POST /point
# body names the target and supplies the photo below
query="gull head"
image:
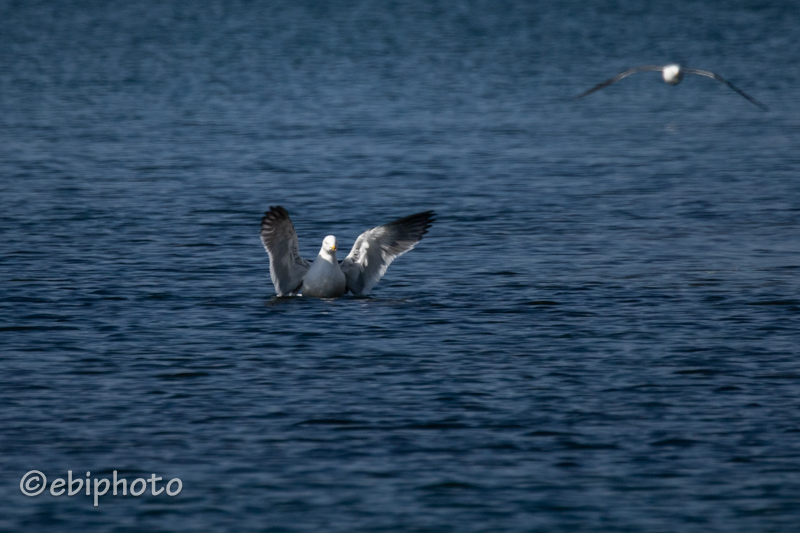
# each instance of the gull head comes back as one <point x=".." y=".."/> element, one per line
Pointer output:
<point x="672" y="74"/>
<point x="330" y="244"/>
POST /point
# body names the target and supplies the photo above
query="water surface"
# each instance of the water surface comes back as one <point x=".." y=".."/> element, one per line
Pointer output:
<point x="599" y="332"/>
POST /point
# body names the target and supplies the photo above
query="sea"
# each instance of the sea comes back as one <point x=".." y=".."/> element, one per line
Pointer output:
<point x="600" y="331"/>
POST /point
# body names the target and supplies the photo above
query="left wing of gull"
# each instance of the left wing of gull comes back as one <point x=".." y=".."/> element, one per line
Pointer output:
<point x="717" y="77"/>
<point x="375" y="249"/>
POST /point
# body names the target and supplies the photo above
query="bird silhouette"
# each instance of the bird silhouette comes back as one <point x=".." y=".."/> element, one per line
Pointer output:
<point x="673" y="74"/>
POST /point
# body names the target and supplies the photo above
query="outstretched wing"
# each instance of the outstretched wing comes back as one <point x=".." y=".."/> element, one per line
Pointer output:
<point x="286" y="266"/>
<point x="615" y="79"/>
<point x="717" y="77"/>
<point x="375" y="250"/>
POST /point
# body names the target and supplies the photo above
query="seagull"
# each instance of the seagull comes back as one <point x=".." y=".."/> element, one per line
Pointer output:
<point x="673" y="74"/>
<point x="325" y="277"/>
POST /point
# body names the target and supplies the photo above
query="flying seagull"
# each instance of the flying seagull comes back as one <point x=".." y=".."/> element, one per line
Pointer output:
<point x="325" y="277"/>
<point x="673" y="75"/>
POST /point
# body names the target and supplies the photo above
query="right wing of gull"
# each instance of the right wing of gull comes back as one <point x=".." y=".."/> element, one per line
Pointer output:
<point x="615" y="79"/>
<point x="286" y="266"/>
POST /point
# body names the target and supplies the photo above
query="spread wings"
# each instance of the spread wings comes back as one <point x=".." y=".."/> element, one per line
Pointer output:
<point x="375" y="250"/>
<point x="717" y="77"/>
<point x="615" y="79"/>
<point x="286" y="266"/>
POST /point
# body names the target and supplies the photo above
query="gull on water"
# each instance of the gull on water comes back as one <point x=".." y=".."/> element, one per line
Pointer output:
<point x="326" y="277"/>
<point x="673" y="74"/>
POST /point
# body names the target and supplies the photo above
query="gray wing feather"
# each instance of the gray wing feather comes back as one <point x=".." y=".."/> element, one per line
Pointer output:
<point x="615" y="79"/>
<point x="375" y="250"/>
<point x="717" y="77"/>
<point x="286" y="266"/>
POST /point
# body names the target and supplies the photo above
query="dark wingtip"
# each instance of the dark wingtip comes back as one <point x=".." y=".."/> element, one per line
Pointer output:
<point x="275" y="214"/>
<point x="416" y="222"/>
<point x="420" y="221"/>
<point x="428" y="216"/>
<point x="277" y="209"/>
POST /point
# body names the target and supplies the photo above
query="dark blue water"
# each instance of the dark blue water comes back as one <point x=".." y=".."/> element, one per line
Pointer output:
<point x="599" y="333"/>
